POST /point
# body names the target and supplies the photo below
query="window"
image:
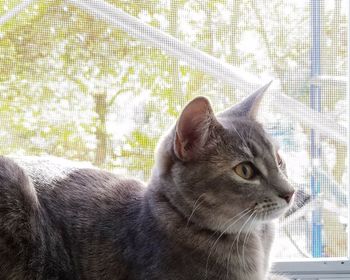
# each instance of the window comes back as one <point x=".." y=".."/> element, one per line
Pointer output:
<point x="100" y="81"/>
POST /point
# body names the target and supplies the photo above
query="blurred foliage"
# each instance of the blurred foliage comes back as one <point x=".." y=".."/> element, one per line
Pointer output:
<point x="55" y="57"/>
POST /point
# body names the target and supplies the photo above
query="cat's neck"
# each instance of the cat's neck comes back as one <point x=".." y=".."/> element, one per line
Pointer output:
<point x="161" y="194"/>
<point x="173" y="218"/>
<point x="165" y="201"/>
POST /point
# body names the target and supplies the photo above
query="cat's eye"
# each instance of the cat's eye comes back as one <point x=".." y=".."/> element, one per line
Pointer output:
<point x="279" y="159"/>
<point x="246" y="170"/>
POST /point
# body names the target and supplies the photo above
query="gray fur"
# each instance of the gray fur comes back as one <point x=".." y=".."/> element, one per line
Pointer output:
<point x="60" y="222"/>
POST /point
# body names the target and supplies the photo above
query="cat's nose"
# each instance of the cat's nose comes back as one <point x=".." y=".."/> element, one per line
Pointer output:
<point x="287" y="196"/>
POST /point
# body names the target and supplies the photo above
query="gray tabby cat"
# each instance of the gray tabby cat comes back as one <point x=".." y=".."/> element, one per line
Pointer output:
<point x="207" y="212"/>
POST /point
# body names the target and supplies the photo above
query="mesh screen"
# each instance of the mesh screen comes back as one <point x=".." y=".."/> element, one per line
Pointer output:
<point x="75" y="87"/>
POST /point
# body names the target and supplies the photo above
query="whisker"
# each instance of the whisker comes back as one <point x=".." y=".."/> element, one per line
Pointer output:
<point x="245" y="211"/>
<point x="239" y="234"/>
<point x="237" y="239"/>
<point x="195" y="207"/>
<point x="241" y="215"/>
<point x="208" y="240"/>
<point x="248" y="234"/>
<point x="244" y="142"/>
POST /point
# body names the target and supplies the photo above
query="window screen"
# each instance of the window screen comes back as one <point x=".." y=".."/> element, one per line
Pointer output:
<point x="77" y="86"/>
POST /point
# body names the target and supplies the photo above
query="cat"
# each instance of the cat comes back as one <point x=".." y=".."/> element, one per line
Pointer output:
<point x="208" y="211"/>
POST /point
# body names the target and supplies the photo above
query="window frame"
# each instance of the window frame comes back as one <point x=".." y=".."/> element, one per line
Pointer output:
<point x="322" y="268"/>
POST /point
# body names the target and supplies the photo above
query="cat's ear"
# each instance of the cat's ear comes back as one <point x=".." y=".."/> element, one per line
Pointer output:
<point x="249" y="106"/>
<point x="193" y="128"/>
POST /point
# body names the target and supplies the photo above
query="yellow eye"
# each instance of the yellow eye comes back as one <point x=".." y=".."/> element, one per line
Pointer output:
<point x="279" y="159"/>
<point x="245" y="170"/>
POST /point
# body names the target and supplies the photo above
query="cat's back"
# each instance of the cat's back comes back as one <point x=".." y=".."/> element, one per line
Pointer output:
<point x="60" y="180"/>
<point x="79" y="197"/>
<point x="85" y="212"/>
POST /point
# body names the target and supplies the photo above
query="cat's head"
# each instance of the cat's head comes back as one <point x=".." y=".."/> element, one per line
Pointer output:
<point x="224" y="169"/>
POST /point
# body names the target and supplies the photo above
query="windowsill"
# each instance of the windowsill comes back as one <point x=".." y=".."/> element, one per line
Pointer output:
<point x="325" y="268"/>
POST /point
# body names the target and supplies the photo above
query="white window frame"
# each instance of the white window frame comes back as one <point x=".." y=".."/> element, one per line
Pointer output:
<point x="322" y="268"/>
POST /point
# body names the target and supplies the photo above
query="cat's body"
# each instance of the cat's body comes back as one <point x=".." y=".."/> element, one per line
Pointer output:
<point x="113" y="231"/>
<point x="192" y="221"/>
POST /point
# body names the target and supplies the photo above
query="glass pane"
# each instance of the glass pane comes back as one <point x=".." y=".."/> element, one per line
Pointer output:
<point x="75" y="87"/>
